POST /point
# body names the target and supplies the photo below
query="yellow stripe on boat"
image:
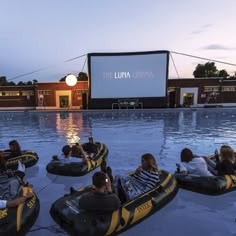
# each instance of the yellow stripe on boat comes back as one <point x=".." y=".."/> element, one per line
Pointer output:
<point x="125" y="214"/>
<point x="228" y="181"/>
<point x="141" y="211"/>
<point x="166" y="180"/>
<point x="19" y="211"/>
<point x="114" y="222"/>
<point x="89" y="164"/>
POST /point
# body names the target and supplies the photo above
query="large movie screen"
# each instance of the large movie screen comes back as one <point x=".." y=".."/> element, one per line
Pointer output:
<point x="127" y="75"/>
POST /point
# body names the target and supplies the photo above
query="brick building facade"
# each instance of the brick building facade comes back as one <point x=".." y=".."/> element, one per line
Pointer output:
<point x="58" y="95"/>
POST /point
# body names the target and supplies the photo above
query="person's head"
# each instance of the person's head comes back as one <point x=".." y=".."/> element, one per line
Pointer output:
<point x="186" y="155"/>
<point x="90" y="139"/>
<point x="227" y="153"/>
<point x="99" y="179"/>
<point x="149" y="162"/>
<point x="66" y="150"/>
<point x="14" y="145"/>
<point x="75" y="151"/>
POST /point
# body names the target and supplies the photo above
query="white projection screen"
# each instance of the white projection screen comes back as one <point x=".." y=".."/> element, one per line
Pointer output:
<point x="128" y="75"/>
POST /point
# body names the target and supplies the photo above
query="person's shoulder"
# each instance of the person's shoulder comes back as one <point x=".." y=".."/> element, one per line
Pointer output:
<point x="198" y="160"/>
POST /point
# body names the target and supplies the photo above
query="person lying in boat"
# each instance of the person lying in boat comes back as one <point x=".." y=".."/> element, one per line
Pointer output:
<point x="90" y="148"/>
<point x="144" y="179"/>
<point x="20" y="172"/>
<point x="101" y="199"/>
<point x="226" y="165"/>
<point x="67" y="157"/>
<point x="192" y="164"/>
<point x="15" y="148"/>
<point x="16" y="201"/>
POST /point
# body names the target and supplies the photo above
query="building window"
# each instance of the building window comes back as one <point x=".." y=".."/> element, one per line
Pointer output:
<point x="211" y="89"/>
<point x="27" y="93"/>
<point x="44" y="92"/>
<point x="10" y="93"/>
<point x="80" y="91"/>
<point x="228" y="88"/>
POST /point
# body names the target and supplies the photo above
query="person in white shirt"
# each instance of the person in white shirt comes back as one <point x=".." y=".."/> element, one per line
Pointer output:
<point x="66" y="155"/>
<point x="192" y="164"/>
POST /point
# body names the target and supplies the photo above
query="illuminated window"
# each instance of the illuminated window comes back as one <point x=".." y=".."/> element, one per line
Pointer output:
<point x="27" y="93"/>
<point x="10" y="93"/>
<point x="228" y="88"/>
<point x="211" y="88"/>
<point x="80" y="91"/>
<point x="44" y="92"/>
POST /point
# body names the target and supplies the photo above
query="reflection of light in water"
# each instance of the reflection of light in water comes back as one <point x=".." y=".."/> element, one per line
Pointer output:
<point x="68" y="127"/>
<point x="72" y="136"/>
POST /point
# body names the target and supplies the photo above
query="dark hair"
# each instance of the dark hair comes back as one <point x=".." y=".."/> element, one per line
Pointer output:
<point x="186" y="155"/>
<point x="75" y="152"/>
<point x="99" y="179"/>
<point x="151" y="162"/>
<point x="66" y="149"/>
<point x="15" y="145"/>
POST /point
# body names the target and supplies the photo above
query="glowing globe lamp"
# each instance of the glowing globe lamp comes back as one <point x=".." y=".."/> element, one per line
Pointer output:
<point x="71" y="80"/>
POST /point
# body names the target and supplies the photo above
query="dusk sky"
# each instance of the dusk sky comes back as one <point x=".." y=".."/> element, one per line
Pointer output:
<point x="42" y="35"/>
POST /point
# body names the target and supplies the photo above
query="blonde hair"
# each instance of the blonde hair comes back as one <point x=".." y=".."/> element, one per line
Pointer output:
<point x="227" y="153"/>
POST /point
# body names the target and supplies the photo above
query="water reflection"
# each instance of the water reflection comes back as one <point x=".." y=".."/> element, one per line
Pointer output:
<point x="127" y="133"/>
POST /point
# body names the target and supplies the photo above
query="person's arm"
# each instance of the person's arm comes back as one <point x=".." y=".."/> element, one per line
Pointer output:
<point x="17" y="201"/>
<point x="83" y="154"/>
<point x="108" y="184"/>
<point x="181" y="169"/>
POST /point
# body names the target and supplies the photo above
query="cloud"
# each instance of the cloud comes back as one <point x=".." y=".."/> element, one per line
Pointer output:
<point x="197" y="32"/>
<point x="217" y="47"/>
<point x="202" y="29"/>
<point x="207" y="26"/>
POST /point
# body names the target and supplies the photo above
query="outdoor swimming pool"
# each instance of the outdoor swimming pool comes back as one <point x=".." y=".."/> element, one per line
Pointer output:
<point x="128" y="134"/>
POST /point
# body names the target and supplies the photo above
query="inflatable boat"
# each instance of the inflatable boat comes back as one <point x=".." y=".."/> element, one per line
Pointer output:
<point x="65" y="211"/>
<point x="209" y="185"/>
<point x="18" y="220"/>
<point x="78" y="168"/>
<point x="28" y="158"/>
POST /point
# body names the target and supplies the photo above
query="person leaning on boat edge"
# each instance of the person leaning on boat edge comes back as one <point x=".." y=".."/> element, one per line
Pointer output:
<point x="67" y="157"/>
<point x="192" y="164"/>
<point x="15" y="148"/>
<point x="145" y="178"/>
<point x="90" y="148"/>
<point x="16" y="201"/>
<point x="101" y="199"/>
<point x="226" y="165"/>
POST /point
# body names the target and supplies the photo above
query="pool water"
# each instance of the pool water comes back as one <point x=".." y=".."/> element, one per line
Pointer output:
<point x="128" y="134"/>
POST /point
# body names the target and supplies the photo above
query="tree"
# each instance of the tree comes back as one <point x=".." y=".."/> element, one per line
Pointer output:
<point x="21" y="83"/>
<point x="206" y="70"/>
<point x="223" y="73"/>
<point x="3" y="81"/>
<point x="82" y="76"/>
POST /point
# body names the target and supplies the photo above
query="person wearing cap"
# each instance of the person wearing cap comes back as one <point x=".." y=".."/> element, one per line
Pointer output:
<point x="101" y="199"/>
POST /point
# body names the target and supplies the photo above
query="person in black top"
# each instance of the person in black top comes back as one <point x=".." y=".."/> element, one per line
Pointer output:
<point x="90" y="147"/>
<point x="101" y="199"/>
<point x="226" y="166"/>
<point x="15" y="148"/>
